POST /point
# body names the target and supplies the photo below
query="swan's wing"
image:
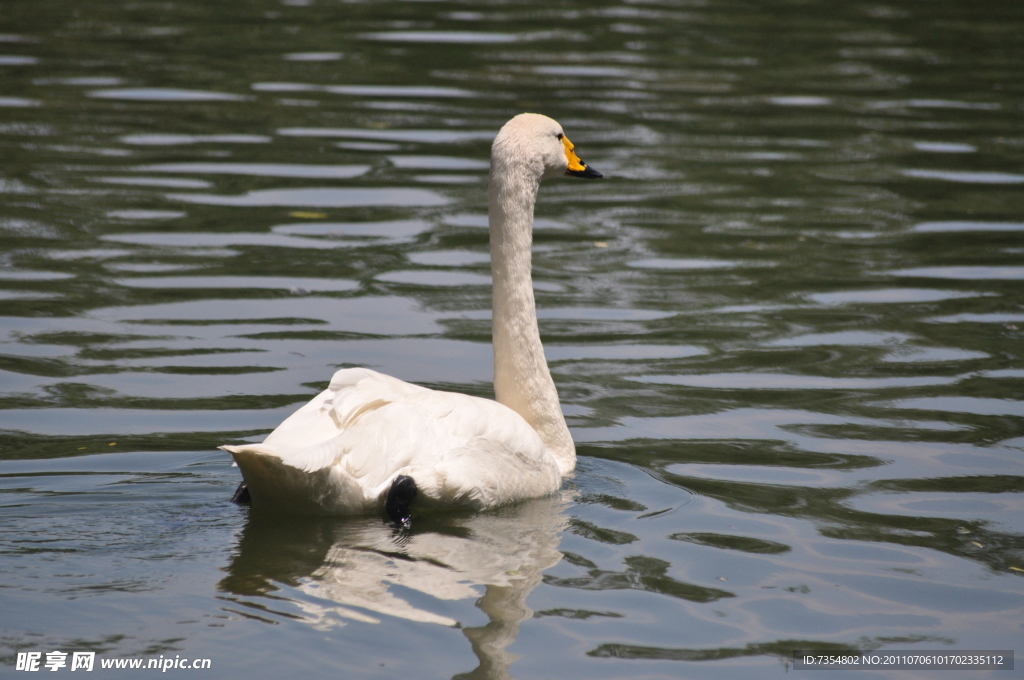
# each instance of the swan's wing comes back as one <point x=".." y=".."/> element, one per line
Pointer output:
<point x="307" y="439"/>
<point x="458" y="449"/>
<point x="324" y="417"/>
<point x="293" y="469"/>
<point x="366" y="428"/>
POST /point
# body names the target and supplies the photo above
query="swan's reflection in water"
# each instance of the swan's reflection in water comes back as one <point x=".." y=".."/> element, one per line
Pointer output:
<point x="349" y="569"/>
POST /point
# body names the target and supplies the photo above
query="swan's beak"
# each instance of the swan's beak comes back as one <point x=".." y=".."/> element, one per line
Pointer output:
<point x="577" y="168"/>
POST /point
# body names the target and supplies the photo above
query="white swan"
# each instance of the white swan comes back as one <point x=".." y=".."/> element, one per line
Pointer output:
<point x="370" y="441"/>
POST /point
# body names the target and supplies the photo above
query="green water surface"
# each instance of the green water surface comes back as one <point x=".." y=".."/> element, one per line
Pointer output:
<point x="786" y="329"/>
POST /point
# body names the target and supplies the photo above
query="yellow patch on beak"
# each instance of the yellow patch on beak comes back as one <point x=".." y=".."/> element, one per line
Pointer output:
<point x="575" y="164"/>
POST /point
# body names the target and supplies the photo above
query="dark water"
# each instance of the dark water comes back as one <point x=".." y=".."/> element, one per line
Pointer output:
<point x="786" y="328"/>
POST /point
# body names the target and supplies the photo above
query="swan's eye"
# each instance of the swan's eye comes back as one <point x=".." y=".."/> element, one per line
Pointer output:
<point x="560" y="135"/>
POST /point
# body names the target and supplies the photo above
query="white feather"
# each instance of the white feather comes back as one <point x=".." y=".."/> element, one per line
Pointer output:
<point x="340" y="452"/>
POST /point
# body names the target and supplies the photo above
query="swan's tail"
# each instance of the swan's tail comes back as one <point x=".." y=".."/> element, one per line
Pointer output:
<point x="276" y="487"/>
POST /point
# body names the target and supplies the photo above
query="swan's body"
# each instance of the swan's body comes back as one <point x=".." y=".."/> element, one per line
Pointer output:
<point x="344" y="451"/>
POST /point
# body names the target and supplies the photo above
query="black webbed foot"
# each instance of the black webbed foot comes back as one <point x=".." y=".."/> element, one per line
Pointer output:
<point x="400" y="496"/>
<point x="241" y="495"/>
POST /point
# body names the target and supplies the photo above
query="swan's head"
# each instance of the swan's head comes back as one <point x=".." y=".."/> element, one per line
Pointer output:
<point x="538" y="143"/>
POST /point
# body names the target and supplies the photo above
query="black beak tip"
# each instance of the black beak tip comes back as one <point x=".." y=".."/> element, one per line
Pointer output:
<point x="586" y="173"/>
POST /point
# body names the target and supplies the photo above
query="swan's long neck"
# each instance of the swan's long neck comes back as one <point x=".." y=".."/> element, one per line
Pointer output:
<point x="522" y="380"/>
